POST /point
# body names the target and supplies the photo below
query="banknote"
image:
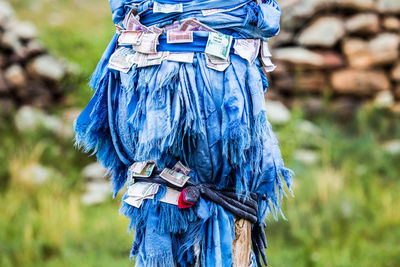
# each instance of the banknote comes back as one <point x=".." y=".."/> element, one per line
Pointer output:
<point x="146" y="171"/>
<point x="173" y="26"/>
<point x="265" y="52"/>
<point x="118" y="28"/>
<point x="247" y="48"/>
<point x="179" y="167"/>
<point x="195" y="25"/>
<point x="137" y="167"/>
<point x="131" y="23"/>
<point x="157" y="55"/>
<point x="155" y="29"/>
<point x="167" y="8"/>
<point x="181" y="57"/>
<point x="218" y="45"/>
<point x="140" y="191"/>
<point x="174" y="37"/>
<point x="216" y="63"/>
<point x="135" y="202"/>
<point x="174" y="177"/>
<point x="268" y="65"/>
<point x="145" y="60"/>
<point x="130" y="38"/>
<point x="148" y="44"/>
<point x="171" y="196"/>
<point x="122" y="59"/>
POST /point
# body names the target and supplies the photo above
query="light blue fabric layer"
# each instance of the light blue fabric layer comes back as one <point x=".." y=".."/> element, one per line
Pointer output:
<point x="214" y="122"/>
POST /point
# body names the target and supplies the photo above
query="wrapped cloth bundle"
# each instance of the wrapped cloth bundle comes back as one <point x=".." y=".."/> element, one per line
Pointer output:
<point x="179" y="92"/>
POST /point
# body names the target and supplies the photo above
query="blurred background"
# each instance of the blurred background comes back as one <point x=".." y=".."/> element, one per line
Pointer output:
<point x="334" y="102"/>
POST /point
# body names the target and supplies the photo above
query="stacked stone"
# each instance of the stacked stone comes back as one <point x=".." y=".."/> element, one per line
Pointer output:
<point x="347" y="50"/>
<point x="28" y="74"/>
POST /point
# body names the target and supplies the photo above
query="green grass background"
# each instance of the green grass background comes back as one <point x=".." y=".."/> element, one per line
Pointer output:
<point x="346" y="209"/>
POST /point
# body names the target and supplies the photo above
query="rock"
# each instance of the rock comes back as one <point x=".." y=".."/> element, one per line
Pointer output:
<point x="357" y="53"/>
<point x="277" y="112"/>
<point x="358" y="5"/>
<point x="34" y="48"/>
<point x="10" y="40"/>
<point x="94" y="171"/>
<point x="392" y="147"/>
<point x="391" y="23"/>
<point x="25" y="30"/>
<point x="323" y="32"/>
<point x="384" y="99"/>
<point x="299" y="56"/>
<point x="312" y="82"/>
<point x="46" y="67"/>
<point x="364" y="23"/>
<point x="359" y="82"/>
<point x="309" y="128"/>
<point x="15" y="76"/>
<point x="96" y="193"/>
<point x="385" y="48"/>
<point x="29" y="118"/>
<point x="389" y="6"/>
<point x="6" y="12"/>
<point x="306" y="156"/>
<point x="331" y="59"/>
<point x="395" y="73"/>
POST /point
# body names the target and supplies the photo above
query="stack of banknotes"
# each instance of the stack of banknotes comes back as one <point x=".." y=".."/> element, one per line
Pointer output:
<point x="138" y="43"/>
<point x="139" y="191"/>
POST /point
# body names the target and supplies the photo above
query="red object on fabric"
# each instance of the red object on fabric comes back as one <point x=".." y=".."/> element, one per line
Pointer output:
<point x="182" y="204"/>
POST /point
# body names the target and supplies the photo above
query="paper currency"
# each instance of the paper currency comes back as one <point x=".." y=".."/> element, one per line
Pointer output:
<point x="179" y="167"/>
<point x="247" y="48"/>
<point x="137" y="167"/>
<point x="130" y="38"/>
<point x="265" y="52"/>
<point x="155" y="29"/>
<point x="148" y="44"/>
<point x="171" y="196"/>
<point x="131" y="23"/>
<point x="145" y="172"/>
<point x="145" y="60"/>
<point x="118" y="29"/>
<point x="174" y="37"/>
<point x="181" y="57"/>
<point x="167" y="8"/>
<point x="268" y="65"/>
<point x="219" y="45"/>
<point x="174" y="177"/>
<point x="122" y="59"/>
<point x="216" y="63"/>
<point x="173" y="26"/>
<point x="140" y="191"/>
<point x="195" y="25"/>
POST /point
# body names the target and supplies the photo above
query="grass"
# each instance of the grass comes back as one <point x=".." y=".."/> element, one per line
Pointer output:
<point x="345" y="211"/>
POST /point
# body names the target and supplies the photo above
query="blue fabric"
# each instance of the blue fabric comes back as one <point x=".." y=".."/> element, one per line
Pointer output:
<point x="214" y="122"/>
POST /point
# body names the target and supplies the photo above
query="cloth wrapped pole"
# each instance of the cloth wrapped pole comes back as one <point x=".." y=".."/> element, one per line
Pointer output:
<point x="212" y="121"/>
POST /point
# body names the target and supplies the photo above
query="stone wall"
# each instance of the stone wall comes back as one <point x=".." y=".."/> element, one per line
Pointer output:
<point x="343" y="50"/>
<point x="28" y="74"/>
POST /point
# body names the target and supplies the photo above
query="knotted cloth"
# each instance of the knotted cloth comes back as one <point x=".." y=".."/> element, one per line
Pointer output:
<point x="212" y="121"/>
